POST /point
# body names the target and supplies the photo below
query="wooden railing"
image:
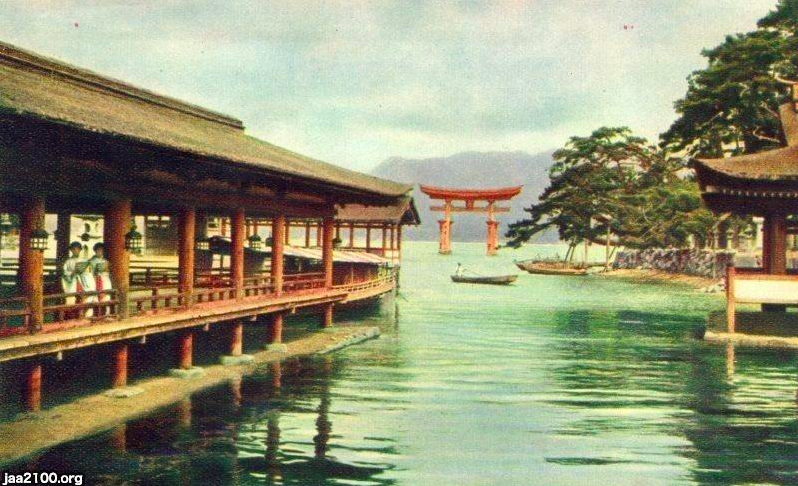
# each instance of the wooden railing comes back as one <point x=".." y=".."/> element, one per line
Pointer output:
<point x="81" y="307"/>
<point x="754" y="286"/>
<point x="14" y="316"/>
<point x="96" y="304"/>
<point x="381" y="281"/>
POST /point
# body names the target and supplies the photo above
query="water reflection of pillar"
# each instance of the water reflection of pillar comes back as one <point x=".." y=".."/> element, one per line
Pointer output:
<point x="235" y="391"/>
<point x="729" y="360"/>
<point x="183" y="412"/>
<point x="323" y="424"/>
<point x="275" y="371"/>
<point x="117" y="438"/>
<point x="273" y="445"/>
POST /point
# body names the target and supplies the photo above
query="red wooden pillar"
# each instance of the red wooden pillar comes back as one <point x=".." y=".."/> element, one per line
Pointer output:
<point x="307" y="234"/>
<point x="399" y="240"/>
<point x="351" y="235"/>
<point x="185" y="349"/>
<point x="117" y="224"/>
<point x="277" y="264"/>
<point x="384" y="239"/>
<point x="119" y="377"/>
<point x="31" y="262"/>
<point x="319" y="236"/>
<point x="338" y="231"/>
<point x="393" y="237"/>
<point x="185" y="256"/>
<point x="237" y="252"/>
<point x="327" y="316"/>
<point x="288" y="233"/>
<point x="776" y="226"/>
<point x="236" y="338"/>
<point x="368" y="236"/>
<point x="275" y="329"/>
<point x="328" y="226"/>
<point x="32" y="393"/>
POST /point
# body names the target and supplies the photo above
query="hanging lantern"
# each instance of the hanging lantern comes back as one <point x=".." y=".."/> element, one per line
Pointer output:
<point x="336" y="242"/>
<point x="269" y="241"/>
<point x="38" y="239"/>
<point x="203" y="244"/>
<point x="133" y="240"/>
<point x="85" y="236"/>
<point x="254" y="242"/>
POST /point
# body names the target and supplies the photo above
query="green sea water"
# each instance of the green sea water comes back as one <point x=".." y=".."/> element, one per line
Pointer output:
<point x="554" y="380"/>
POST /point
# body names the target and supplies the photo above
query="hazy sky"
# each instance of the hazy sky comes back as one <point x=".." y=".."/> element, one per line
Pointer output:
<point x="355" y="82"/>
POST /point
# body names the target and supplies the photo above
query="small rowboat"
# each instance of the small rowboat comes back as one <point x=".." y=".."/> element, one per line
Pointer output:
<point x="493" y="280"/>
<point x="550" y="268"/>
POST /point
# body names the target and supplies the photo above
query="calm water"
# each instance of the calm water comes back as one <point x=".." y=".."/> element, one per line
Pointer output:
<point x="552" y="381"/>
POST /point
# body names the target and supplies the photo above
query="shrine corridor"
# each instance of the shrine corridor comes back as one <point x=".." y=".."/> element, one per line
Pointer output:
<point x="550" y="381"/>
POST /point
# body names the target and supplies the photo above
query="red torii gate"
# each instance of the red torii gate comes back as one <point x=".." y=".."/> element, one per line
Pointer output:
<point x="469" y="196"/>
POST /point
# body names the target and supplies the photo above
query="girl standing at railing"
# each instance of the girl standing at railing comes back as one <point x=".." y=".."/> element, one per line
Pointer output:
<point x="99" y="268"/>
<point x="77" y="277"/>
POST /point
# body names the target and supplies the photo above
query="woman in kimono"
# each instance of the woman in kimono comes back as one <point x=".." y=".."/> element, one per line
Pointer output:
<point x="77" y="277"/>
<point x="99" y="268"/>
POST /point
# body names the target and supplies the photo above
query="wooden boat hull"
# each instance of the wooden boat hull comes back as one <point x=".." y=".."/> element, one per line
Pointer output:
<point x="546" y="268"/>
<point x="496" y="280"/>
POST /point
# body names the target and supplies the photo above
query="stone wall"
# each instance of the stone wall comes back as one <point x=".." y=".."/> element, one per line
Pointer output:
<point x="702" y="263"/>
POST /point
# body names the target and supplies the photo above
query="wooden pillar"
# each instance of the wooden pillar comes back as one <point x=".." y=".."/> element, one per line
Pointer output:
<point x="327" y="250"/>
<point x="236" y="338"/>
<point x="119" y="377"/>
<point x="777" y="243"/>
<point x="307" y="234"/>
<point x="351" y="235"/>
<point x="445" y="227"/>
<point x="117" y="224"/>
<point x="393" y="237"/>
<point x="185" y="349"/>
<point x="730" y="304"/>
<point x="766" y="244"/>
<point x="274" y="331"/>
<point x="319" y="235"/>
<point x="338" y="231"/>
<point x="185" y="257"/>
<point x="368" y="236"/>
<point x="32" y="392"/>
<point x="493" y="241"/>
<point x="399" y="240"/>
<point x="62" y="233"/>
<point x="287" y="233"/>
<point x="327" y="316"/>
<point x="384" y="239"/>
<point x="277" y="264"/>
<point x="223" y="224"/>
<point x="237" y="251"/>
<point x="200" y="225"/>
<point x="31" y="262"/>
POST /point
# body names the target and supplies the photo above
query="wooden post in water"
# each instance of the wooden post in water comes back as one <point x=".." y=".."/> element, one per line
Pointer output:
<point x="119" y="377"/>
<point x="185" y="349"/>
<point x="236" y="338"/>
<point x="31" y="262"/>
<point x="274" y="331"/>
<point x="237" y="252"/>
<point x="32" y="392"/>
<point x="327" y="316"/>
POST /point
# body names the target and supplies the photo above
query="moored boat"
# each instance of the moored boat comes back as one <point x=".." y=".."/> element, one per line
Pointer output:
<point x="489" y="280"/>
<point x="550" y="268"/>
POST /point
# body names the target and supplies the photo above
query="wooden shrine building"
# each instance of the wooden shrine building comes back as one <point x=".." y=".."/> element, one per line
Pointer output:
<point x="75" y="142"/>
<point x="469" y="198"/>
<point x="764" y="184"/>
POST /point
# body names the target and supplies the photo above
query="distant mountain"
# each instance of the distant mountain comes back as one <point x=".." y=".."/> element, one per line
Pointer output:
<point x="471" y="170"/>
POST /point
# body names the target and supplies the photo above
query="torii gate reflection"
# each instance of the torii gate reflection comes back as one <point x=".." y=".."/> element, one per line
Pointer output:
<point x="469" y="196"/>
